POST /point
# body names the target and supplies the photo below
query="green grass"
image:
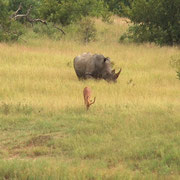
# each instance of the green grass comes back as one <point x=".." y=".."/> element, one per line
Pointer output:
<point x="131" y="132"/>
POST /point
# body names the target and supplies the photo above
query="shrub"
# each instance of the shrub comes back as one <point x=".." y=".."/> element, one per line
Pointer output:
<point x="154" y="21"/>
<point x="48" y="30"/>
<point x="142" y="33"/>
<point x="66" y="12"/>
<point x="175" y="63"/>
<point x="87" y="30"/>
<point x="10" y="30"/>
<point x="117" y="6"/>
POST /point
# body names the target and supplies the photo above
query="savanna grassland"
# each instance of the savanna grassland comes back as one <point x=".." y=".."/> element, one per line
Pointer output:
<point x="131" y="132"/>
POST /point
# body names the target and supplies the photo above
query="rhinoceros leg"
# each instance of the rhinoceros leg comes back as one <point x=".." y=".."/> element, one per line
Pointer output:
<point x="88" y="76"/>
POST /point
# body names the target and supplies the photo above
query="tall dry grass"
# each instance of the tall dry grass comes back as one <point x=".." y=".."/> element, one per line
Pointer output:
<point x="44" y="76"/>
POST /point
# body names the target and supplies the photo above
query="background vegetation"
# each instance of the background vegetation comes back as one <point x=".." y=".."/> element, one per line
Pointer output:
<point x="153" y="20"/>
<point x="131" y="132"/>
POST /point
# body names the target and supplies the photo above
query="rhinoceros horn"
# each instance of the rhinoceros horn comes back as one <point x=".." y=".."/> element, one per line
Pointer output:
<point x="117" y="74"/>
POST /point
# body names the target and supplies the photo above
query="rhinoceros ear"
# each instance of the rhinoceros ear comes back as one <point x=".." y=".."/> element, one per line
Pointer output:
<point x="105" y="59"/>
<point x="117" y="74"/>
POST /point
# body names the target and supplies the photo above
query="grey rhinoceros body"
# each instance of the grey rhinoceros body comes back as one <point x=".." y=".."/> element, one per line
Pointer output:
<point x="95" y="66"/>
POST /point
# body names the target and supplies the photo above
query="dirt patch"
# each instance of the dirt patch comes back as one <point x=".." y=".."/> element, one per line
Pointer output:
<point x="38" y="140"/>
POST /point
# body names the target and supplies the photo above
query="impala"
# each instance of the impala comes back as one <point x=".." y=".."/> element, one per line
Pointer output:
<point x="87" y="96"/>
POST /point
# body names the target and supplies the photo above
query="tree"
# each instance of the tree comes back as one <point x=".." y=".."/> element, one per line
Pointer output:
<point x="175" y="63"/>
<point x="155" y="21"/>
<point x="117" y="6"/>
<point x="68" y="11"/>
<point x="14" y="4"/>
<point x="9" y="30"/>
<point x="15" y="14"/>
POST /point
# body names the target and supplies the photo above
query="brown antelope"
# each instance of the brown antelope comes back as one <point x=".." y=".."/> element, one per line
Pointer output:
<point x="87" y="96"/>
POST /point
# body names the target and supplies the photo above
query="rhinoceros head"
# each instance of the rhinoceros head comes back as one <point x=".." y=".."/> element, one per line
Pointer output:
<point x="108" y="74"/>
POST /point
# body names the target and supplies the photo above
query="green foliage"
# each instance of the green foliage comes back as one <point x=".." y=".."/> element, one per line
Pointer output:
<point x="178" y="74"/>
<point x="14" y="4"/>
<point x="3" y="15"/>
<point x="106" y="16"/>
<point x="47" y="30"/>
<point x="117" y="6"/>
<point x="9" y="30"/>
<point x="175" y="63"/>
<point x="66" y="12"/>
<point x="155" y="21"/>
<point x="140" y="33"/>
<point x="87" y="30"/>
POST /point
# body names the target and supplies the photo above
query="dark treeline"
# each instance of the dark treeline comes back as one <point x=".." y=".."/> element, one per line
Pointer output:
<point x="152" y="20"/>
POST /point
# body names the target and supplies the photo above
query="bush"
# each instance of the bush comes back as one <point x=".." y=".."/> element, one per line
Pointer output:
<point x="66" y="12"/>
<point x="48" y="30"/>
<point x="87" y="30"/>
<point x="175" y="63"/>
<point x="10" y="30"/>
<point x="59" y="12"/>
<point x="142" y="33"/>
<point x="117" y="6"/>
<point x="154" y="21"/>
<point x="178" y="74"/>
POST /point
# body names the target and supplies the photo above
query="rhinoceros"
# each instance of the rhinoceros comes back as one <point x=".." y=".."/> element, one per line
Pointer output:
<point x="94" y="66"/>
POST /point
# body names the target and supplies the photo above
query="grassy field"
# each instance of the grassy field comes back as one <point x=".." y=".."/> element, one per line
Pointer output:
<point x="131" y="132"/>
